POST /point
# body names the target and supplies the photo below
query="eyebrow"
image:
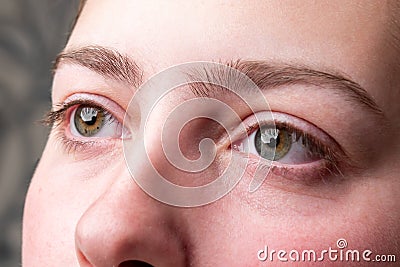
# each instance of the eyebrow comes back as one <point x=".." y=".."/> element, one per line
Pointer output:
<point x="266" y="75"/>
<point x="104" y="61"/>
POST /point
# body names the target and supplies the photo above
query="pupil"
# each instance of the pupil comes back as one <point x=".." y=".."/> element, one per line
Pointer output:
<point x="91" y="121"/>
<point x="265" y="142"/>
<point x="89" y="115"/>
<point x="273" y="142"/>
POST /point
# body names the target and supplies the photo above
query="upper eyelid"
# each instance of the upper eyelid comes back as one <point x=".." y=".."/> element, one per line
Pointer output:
<point x="280" y="118"/>
<point x="59" y="110"/>
<point x="312" y="131"/>
<point x="58" y="113"/>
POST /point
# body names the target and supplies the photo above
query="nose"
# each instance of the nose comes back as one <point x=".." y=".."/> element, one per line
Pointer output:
<point x="126" y="227"/>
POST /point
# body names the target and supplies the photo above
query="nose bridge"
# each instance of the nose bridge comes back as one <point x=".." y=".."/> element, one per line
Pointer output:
<point x="124" y="224"/>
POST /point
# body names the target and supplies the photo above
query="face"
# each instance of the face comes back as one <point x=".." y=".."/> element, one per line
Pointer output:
<point x="329" y="72"/>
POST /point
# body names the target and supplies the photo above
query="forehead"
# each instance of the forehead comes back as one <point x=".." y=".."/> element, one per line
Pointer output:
<point x="223" y="28"/>
<point x="351" y="36"/>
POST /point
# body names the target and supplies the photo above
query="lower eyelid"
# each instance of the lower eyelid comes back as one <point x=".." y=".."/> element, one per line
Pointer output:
<point x="86" y="149"/>
<point x="309" y="173"/>
<point x="320" y="171"/>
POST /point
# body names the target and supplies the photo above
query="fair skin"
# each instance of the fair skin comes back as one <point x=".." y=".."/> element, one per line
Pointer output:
<point x="83" y="207"/>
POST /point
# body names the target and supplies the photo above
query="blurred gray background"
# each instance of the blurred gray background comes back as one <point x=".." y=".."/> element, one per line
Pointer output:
<point x="32" y="32"/>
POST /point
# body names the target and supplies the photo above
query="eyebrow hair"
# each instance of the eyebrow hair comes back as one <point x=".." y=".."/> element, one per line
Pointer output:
<point x="266" y="75"/>
<point x="105" y="61"/>
<point x="394" y="24"/>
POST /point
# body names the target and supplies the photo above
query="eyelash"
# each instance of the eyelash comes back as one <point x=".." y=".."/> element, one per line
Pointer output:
<point x="58" y="116"/>
<point x="334" y="160"/>
<point x="309" y="141"/>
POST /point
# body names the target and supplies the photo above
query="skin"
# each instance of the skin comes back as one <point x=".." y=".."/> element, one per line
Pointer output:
<point x="78" y="212"/>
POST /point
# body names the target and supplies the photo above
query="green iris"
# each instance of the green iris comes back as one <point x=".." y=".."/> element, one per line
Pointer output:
<point x="272" y="143"/>
<point x="89" y="120"/>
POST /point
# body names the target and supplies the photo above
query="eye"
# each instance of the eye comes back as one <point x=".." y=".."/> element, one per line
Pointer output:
<point x="287" y="140"/>
<point x="271" y="143"/>
<point x="92" y="121"/>
<point x="283" y="144"/>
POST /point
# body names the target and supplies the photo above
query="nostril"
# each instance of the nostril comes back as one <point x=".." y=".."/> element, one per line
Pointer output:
<point x="135" y="264"/>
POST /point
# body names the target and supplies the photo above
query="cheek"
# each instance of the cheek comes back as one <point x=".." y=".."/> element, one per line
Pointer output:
<point x="48" y="226"/>
<point x="237" y="243"/>
<point x="233" y="229"/>
<point x="373" y="214"/>
<point x="58" y="195"/>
